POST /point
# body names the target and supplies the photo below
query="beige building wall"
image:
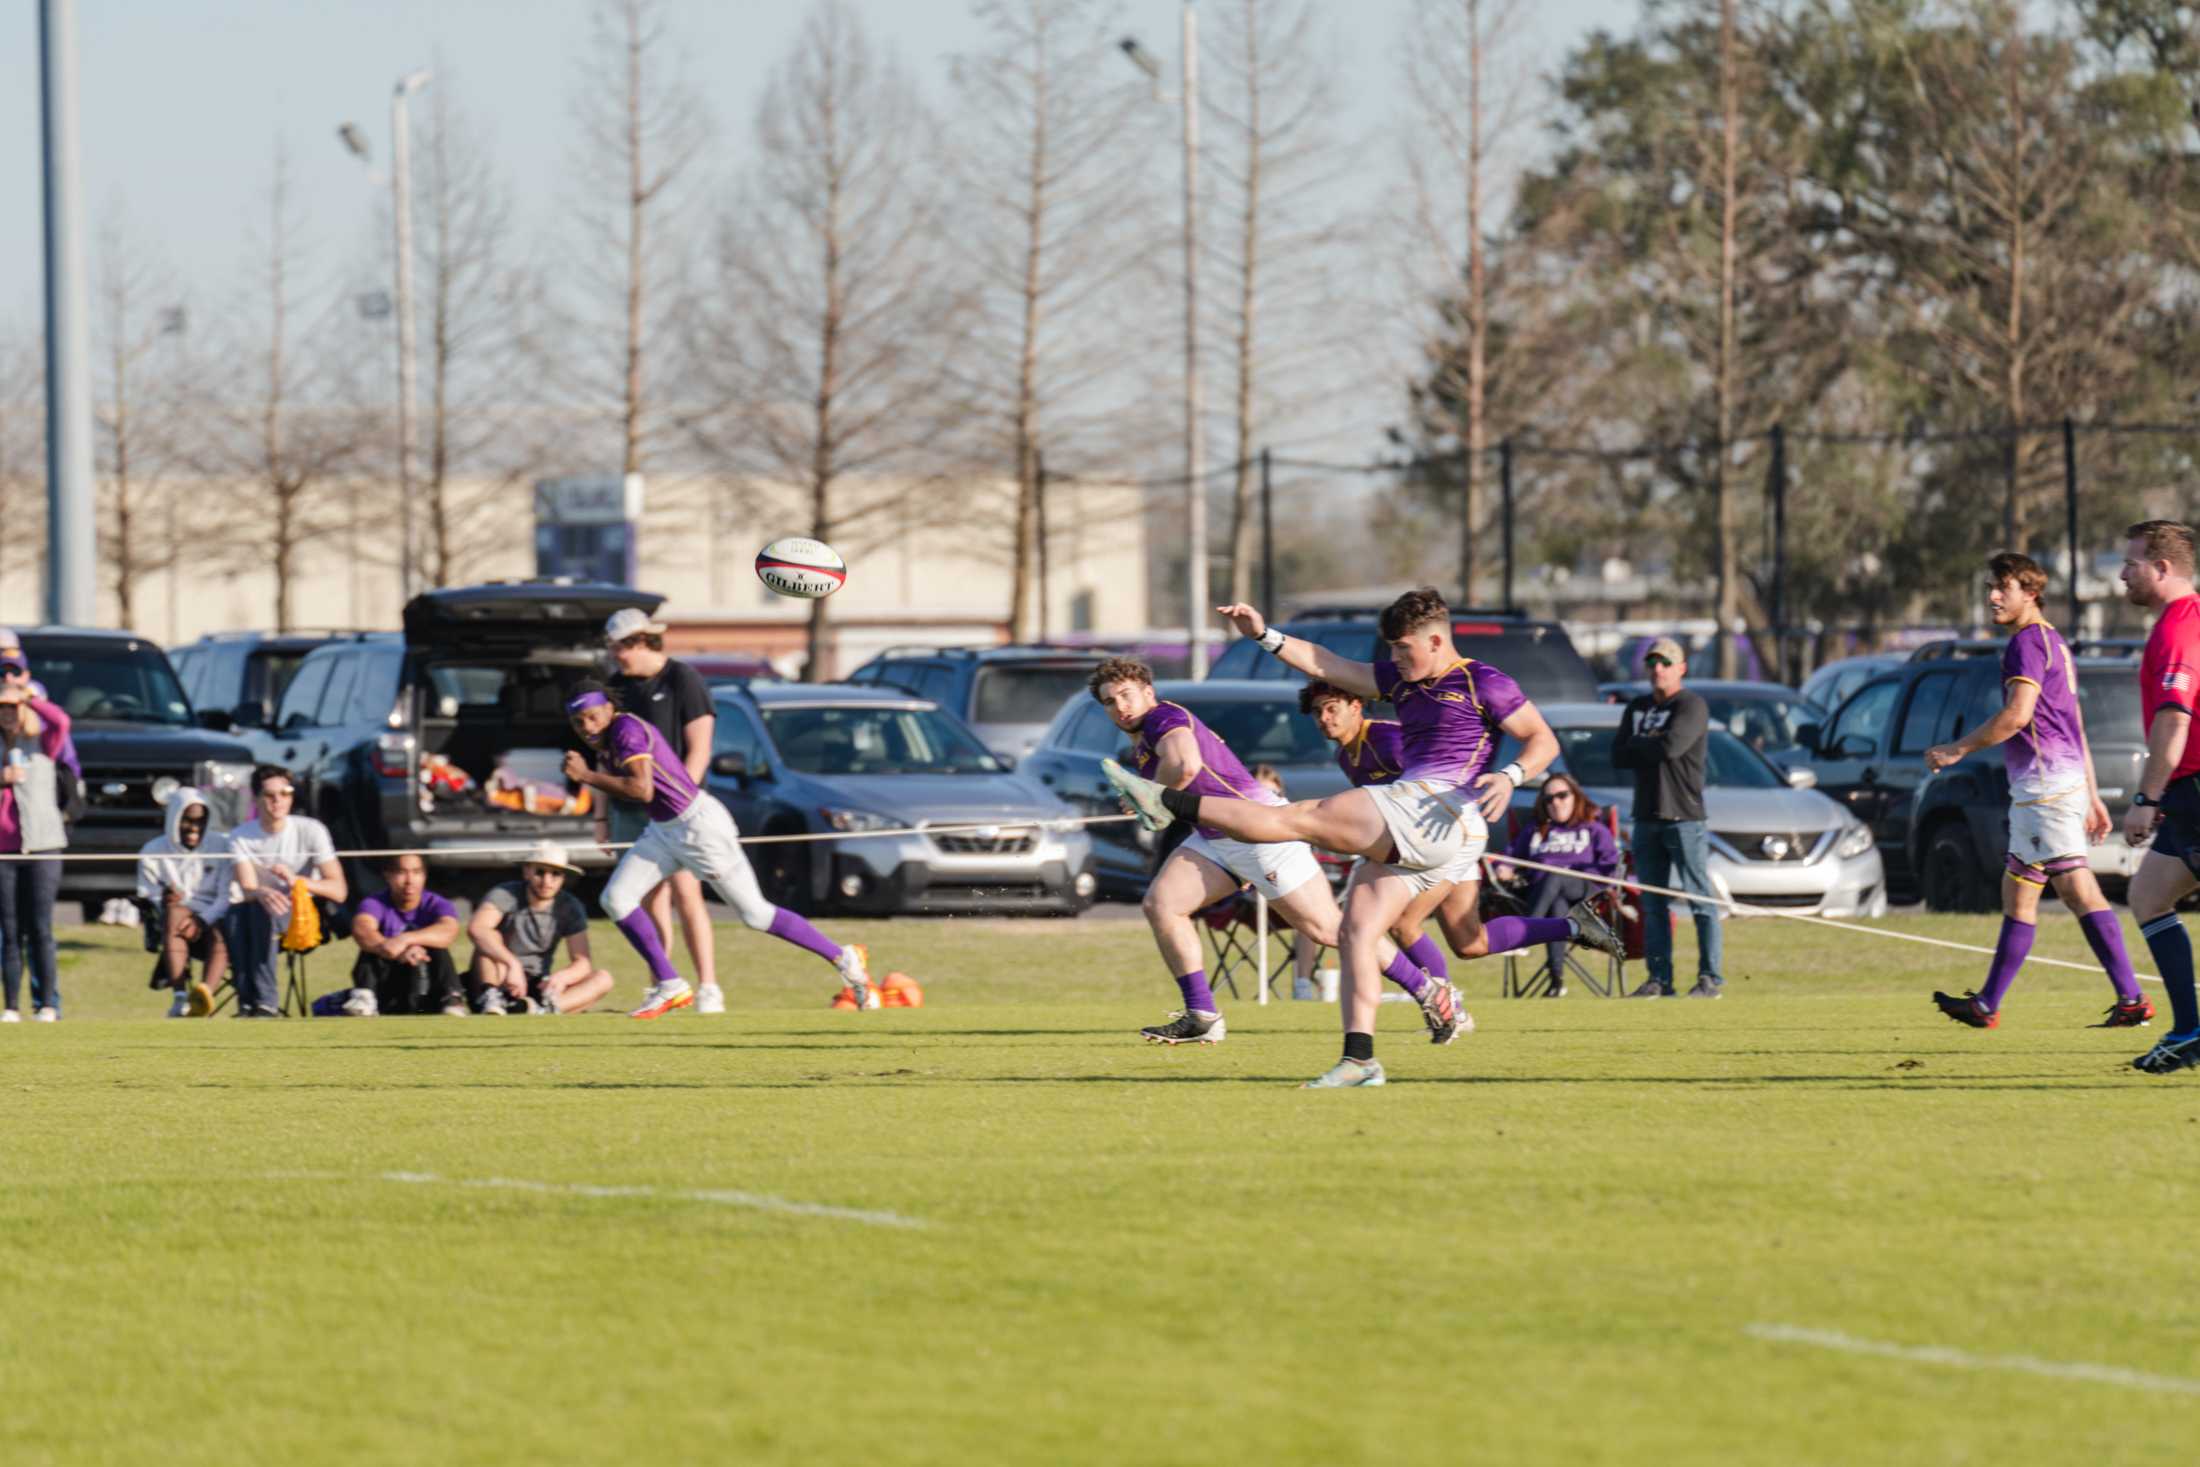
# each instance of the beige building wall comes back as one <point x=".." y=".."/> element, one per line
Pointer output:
<point x="946" y="581"/>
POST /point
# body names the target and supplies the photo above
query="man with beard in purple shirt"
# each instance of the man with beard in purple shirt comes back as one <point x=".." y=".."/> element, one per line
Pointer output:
<point x="1177" y="751"/>
<point x="1421" y="831"/>
<point x="2055" y="811"/>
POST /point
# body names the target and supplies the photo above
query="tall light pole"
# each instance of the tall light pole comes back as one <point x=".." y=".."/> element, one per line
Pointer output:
<point x="1195" y="449"/>
<point x="401" y="211"/>
<point x="71" y="591"/>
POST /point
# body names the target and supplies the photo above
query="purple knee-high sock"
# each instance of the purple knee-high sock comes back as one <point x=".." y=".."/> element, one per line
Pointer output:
<point x="642" y="933"/>
<point x="1429" y="954"/>
<point x="1508" y="933"/>
<point x="2009" y="952"/>
<point x="2107" y="937"/>
<point x="1198" y="997"/>
<point x="1407" y="974"/>
<point x="790" y="927"/>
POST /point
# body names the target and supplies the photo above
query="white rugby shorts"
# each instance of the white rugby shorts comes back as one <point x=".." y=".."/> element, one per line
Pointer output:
<point x="1439" y="834"/>
<point x="2045" y="831"/>
<point x="1275" y="869"/>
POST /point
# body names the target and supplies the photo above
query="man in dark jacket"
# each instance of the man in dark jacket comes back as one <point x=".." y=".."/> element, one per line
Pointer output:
<point x="1663" y="738"/>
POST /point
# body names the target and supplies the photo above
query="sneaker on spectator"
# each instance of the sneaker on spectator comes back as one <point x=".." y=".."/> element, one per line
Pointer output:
<point x="454" y="1007"/>
<point x="180" y="1006"/>
<point x="493" y="1001"/>
<point x="10" y="1016"/>
<point x="522" y="1005"/>
<point x="362" y="1004"/>
<point x="48" y="1015"/>
<point x="710" y="999"/>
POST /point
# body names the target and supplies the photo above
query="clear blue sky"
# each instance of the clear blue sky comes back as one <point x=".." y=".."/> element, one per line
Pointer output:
<point x="182" y="101"/>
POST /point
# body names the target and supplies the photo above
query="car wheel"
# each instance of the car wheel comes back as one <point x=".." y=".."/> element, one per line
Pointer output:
<point x="783" y="871"/>
<point x="1952" y="879"/>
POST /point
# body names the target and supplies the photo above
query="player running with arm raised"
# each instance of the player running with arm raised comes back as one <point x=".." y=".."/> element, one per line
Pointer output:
<point x="2055" y="811"/>
<point x="1180" y="753"/>
<point x="1422" y="830"/>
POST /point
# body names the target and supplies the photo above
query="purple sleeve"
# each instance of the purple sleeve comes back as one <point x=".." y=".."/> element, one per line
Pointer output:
<point x="1498" y="692"/>
<point x="1603" y="850"/>
<point x="53" y="735"/>
<point x="377" y="911"/>
<point x="626" y="738"/>
<point x="2025" y="657"/>
<point x="1386" y="680"/>
<point x="1166" y="718"/>
<point x="434" y="909"/>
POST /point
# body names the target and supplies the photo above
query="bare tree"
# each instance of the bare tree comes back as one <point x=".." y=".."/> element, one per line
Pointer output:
<point x="482" y="303"/>
<point x="292" y="426"/>
<point x="828" y="343"/>
<point x="22" y="455"/>
<point x="1056" y="157"/>
<point x="642" y="134"/>
<point x="1277" y="162"/>
<point x="140" y="447"/>
<point x="1455" y="46"/>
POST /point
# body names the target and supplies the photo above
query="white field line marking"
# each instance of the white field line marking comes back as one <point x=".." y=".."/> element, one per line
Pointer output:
<point x="756" y="1201"/>
<point x="2115" y="1375"/>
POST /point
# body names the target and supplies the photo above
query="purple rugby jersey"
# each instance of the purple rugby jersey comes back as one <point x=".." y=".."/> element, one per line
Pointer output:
<point x="2047" y="757"/>
<point x="1375" y="755"/>
<point x="1449" y="722"/>
<point x="628" y="739"/>
<point x="1221" y="775"/>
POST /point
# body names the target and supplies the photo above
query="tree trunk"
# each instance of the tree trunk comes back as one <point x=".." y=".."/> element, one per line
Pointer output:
<point x="1729" y="570"/>
<point x="1027" y="367"/>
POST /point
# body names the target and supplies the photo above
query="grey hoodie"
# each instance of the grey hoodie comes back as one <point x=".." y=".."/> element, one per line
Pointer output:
<point x="165" y="864"/>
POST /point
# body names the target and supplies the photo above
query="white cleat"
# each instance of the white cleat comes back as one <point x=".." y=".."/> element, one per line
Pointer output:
<point x="663" y="998"/>
<point x="1346" y="1073"/>
<point x="855" y="973"/>
<point x="710" y="999"/>
<point x="180" y="1007"/>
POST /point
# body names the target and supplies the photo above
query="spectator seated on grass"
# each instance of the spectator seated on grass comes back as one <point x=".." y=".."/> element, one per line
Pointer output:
<point x="516" y="931"/>
<point x="405" y="936"/>
<point x="276" y="853"/>
<point x="185" y="894"/>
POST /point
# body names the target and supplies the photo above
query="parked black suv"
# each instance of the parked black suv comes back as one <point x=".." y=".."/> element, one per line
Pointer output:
<point x="1538" y="655"/>
<point x="243" y="674"/>
<point x="1943" y="836"/>
<point x="449" y="736"/>
<point x="135" y="732"/>
<point x="1007" y="695"/>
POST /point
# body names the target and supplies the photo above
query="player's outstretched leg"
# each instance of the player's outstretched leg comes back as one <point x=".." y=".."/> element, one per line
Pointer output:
<point x="713" y="851"/>
<point x="1347" y="823"/>
<point x="1312" y="911"/>
<point x="646" y="864"/>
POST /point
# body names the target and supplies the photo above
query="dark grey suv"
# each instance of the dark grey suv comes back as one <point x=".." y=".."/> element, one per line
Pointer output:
<point x="1007" y="695"/>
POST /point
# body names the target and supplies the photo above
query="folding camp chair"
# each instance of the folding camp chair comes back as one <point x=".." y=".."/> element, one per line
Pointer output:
<point x="151" y="920"/>
<point x="1600" y="973"/>
<point x="1232" y="927"/>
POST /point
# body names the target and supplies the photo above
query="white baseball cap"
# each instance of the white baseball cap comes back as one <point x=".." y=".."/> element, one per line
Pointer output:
<point x="551" y="854"/>
<point x="631" y="622"/>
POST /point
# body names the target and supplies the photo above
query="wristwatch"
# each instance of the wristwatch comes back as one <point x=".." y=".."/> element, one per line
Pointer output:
<point x="2146" y="801"/>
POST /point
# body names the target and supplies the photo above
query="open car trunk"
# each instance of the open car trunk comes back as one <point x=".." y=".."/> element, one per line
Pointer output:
<point x="493" y="736"/>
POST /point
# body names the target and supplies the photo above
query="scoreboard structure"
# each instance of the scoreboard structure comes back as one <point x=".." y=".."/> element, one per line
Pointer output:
<point x="588" y="527"/>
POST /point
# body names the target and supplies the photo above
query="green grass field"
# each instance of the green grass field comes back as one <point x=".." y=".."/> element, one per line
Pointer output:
<point x="999" y="1229"/>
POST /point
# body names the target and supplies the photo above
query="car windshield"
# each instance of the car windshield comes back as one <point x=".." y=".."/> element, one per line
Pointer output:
<point x="866" y="740"/>
<point x="1586" y="754"/>
<point x="126" y="682"/>
<point x="1013" y="693"/>
<point x="1767" y="723"/>
<point x="2108" y="700"/>
<point x="1262" y="731"/>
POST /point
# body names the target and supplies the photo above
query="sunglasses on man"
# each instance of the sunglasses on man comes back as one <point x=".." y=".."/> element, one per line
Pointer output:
<point x="1657" y="662"/>
<point x="14" y="669"/>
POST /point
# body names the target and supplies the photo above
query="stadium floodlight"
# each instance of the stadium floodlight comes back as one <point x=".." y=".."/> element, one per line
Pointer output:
<point x="1141" y="58"/>
<point x="354" y="139"/>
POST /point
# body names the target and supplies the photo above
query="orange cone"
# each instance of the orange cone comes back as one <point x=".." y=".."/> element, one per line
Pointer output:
<point x="845" y="999"/>
<point x="900" y="991"/>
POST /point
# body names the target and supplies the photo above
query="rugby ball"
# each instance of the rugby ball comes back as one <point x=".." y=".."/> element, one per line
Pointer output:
<point x="800" y="566"/>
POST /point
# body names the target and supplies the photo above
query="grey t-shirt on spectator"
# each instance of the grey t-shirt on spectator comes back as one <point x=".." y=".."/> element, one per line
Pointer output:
<point x="534" y="936"/>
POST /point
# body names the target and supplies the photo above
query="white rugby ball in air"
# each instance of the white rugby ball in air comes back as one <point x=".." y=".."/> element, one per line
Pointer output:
<point x="800" y="566"/>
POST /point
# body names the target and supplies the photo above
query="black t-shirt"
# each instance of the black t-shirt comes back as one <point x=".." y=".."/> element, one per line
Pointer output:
<point x="1666" y="745"/>
<point x="671" y="700"/>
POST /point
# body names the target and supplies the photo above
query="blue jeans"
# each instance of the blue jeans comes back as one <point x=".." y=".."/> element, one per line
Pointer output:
<point x="251" y="935"/>
<point x="1672" y="853"/>
<point x="27" y="891"/>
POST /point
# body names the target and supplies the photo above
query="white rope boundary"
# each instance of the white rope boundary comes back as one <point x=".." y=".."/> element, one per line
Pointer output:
<point x="1001" y="827"/>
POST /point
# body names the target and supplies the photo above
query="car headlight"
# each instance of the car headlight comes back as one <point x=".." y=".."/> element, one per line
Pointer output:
<point x="838" y="819"/>
<point x="227" y="786"/>
<point x="1856" y="839"/>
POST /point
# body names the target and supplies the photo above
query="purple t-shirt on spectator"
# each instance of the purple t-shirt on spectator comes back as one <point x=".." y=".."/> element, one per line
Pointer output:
<point x="1221" y="774"/>
<point x="385" y="915"/>
<point x="628" y="739"/>
<point x="1587" y="846"/>
<point x="2047" y="757"/>
<point x="1450" y="721"/>
<point x="1374" y="755"/>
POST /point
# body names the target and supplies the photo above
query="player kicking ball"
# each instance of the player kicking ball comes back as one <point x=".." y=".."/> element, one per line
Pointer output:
<point x="2055" y="811"/>
<point x="1180" y="753"/>
<point x="687" y="831"/>
<point x="1423" y="830"/>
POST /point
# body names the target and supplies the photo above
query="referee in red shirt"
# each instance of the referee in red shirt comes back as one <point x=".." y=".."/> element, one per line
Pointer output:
<point x="2158" y="576"/>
